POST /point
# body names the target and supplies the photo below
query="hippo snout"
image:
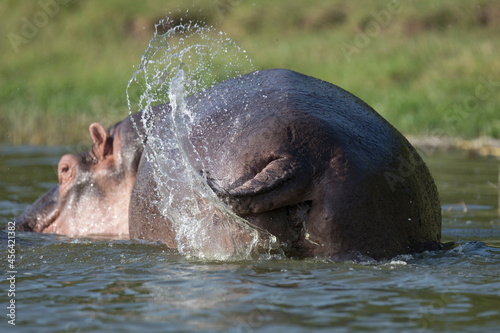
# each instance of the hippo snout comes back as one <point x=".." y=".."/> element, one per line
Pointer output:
<point x="40" y="214"/>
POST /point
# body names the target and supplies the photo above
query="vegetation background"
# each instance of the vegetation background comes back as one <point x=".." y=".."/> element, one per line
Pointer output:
<point x="430" y="67"/>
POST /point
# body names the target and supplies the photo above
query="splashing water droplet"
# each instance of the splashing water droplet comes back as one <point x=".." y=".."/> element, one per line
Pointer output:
<point x="186" y="59"/>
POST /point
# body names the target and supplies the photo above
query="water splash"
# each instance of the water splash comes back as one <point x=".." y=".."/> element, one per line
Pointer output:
<point x="178" y="63"/>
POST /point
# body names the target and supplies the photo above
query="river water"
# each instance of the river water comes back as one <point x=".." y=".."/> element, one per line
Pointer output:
<point x="93" y="285"/>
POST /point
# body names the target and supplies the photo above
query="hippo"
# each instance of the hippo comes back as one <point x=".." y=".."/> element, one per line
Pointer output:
<point x="295" y="156"/>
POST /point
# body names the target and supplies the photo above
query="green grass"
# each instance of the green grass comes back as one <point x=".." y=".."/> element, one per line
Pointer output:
<point x="422" y="67"/>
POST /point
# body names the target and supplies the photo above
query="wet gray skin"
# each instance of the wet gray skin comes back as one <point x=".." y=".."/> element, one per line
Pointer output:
<point x="293" y="155"/>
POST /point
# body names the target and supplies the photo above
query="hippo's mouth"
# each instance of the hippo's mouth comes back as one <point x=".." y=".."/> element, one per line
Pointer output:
<point x="43" y="223"/>
<point x="41" y="214"/>
<point x="36" y="223"/>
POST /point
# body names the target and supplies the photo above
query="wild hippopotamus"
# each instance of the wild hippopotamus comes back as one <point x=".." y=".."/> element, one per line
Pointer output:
<point x="293" y="155"/>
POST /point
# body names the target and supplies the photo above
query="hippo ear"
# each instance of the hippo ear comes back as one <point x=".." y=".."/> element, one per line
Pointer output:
<point x="103" y="146"/>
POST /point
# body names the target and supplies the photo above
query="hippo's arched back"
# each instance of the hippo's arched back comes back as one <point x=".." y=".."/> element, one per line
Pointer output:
<point x="295" y="156"/>
<point x="310" y="163"/>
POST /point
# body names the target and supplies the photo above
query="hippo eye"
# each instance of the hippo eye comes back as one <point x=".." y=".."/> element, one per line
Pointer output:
<point x="63" y="172"/>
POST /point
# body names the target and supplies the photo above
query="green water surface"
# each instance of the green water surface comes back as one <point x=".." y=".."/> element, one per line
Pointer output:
<point x="82" y="285"/>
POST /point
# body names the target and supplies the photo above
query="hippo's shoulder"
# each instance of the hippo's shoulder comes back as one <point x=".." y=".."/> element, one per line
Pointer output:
<point x="255" y="98"/>
<point x="283" y="87"/>
<point x="356" y="125"/>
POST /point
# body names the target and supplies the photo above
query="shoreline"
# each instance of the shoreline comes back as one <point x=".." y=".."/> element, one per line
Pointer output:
<point x="481" y="146"/>
<point x="478" y="147"/>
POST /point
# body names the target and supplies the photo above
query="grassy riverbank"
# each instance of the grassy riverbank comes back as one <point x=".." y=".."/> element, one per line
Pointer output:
<point x="431" y="68"/>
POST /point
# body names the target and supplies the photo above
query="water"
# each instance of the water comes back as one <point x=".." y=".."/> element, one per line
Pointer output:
<point x="177" y="63"/>
<point x="88" y="285"/>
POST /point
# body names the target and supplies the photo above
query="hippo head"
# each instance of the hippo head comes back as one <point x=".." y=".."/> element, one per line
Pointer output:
<point x="93" y="194"/>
